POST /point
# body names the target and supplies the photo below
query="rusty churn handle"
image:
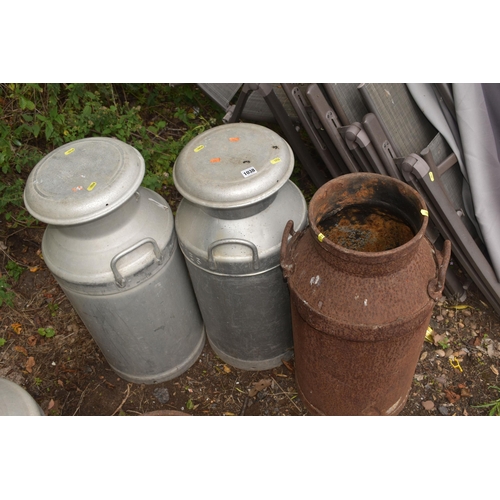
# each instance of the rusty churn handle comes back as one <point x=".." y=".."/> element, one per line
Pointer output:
<point x="436" y="285"/>
<point x="285" y="259"/>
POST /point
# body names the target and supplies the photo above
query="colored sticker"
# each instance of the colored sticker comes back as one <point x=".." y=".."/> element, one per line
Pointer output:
<point x="248" y="172"/>
<point x="69" y="151"/>
<point x="215" y="160"/>
<point x="92" y="186"/>
<point x="234" y="139"/>
<point x="275" y="160"/>
<point x="321" y="237"/>
<point x="199" y="148"/>
<point x="425" y="213"/>
<point x="431" y="176"/>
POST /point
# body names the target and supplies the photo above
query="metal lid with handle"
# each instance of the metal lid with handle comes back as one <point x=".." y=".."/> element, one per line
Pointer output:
<point x="233" y="165"/>
<point x="83" y="180"/>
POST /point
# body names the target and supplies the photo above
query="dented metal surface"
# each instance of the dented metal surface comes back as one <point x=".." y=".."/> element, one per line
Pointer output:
<point x="359" y="317"/>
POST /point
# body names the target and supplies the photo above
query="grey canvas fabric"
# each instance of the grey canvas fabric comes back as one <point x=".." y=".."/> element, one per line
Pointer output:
<point x="478" y="115"/>
<point x="456" y="180"/>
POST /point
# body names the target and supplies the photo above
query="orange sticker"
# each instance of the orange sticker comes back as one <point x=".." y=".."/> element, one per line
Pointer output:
<point x="234" y="139"/>
<point x="215" y="160"/>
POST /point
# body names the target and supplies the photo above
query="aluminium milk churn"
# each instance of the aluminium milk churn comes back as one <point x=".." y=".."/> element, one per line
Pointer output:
<point x="363" y="281"/>
<point x="112" y="247"/>
<point x="236" y="201"/>
<point x="16" y="401"/>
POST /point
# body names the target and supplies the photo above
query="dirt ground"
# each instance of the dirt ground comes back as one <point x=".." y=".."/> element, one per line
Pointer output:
<point x="68" y="375"/>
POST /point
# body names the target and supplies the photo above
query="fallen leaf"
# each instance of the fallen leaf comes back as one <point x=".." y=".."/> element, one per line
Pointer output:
<point x="21" y="349"/>
<point x="465" y="393"/>
<point x="34" y="269"/>
<point x="258" y="386"/>
<point x="423" y="356"/>
<point x="227" y="369"/>
<point x="17" y="328"/>
<point x="51" y="404"/>
<point x="32" y="340"/>
<point x="494" y="369"/>
<point x="428" y="405"/>
<point x="60" y="382"/>
<point x="30" y="364"/>
<point x="229" y="414"/>
<point x="288" y="365"/>
<point x="451" y="396"/>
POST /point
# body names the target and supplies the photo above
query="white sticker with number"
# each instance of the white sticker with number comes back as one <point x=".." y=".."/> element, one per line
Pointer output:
<point x="248" y="172"/>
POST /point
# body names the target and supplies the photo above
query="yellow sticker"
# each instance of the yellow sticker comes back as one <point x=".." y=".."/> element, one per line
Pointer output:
<point x="321" y="237"/>
<point x="431" y="176"/>
<point x="199" y="148"/>
<point x="92" y="186"/>
<point x="425" y="213"/>
<point x="275" y="160"/>
<point x="72" y="150"/>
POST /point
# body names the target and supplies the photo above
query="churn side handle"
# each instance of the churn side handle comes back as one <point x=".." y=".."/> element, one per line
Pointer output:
<point x="285" y="259"/>
<point x="119" y="279"/>
<point x="436" y="285"/>
<point x="233" y="241"/>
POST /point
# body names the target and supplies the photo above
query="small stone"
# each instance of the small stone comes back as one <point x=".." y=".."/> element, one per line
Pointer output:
<point x="423" y="356"/>
<point x="443" y="410"/>
<point x="428" y="405"/>
<point x="448" y="352"/>
<point x="451" y="314"/>
<point x="441" y="380"/>
<point x="440" y="353"/>
<point x="439" y="318"/>
<point x="162" y="395"/>
<point x="467" y="312"/>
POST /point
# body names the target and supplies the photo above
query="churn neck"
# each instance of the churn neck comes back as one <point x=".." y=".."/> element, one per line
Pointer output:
<point x="370" y="190"/>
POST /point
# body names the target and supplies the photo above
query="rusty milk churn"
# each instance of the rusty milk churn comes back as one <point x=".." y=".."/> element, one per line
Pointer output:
<point x="236" y="200"/>
<point x="363" y="281"/>
<point x="112" y="247"/>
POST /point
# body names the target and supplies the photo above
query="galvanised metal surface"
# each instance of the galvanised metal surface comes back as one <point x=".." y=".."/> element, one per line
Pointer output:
<point x="121" y="269"/>
<point x="359" y="318"/>
<point x="16" y="401"/>
<point x="230" y="235"/>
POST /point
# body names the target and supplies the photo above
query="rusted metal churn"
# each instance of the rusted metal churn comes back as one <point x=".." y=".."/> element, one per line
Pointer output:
<point x="112" y="247"/>
<point x="236" y="201"/>
<point x="363" y="281"/>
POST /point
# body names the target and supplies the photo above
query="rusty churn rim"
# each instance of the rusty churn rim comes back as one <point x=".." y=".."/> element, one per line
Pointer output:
<point x="325" y="192"/>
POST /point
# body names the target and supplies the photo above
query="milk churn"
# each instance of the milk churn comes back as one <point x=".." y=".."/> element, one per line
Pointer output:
<point x="16" y="401"/>
<point x="236" y="200"/>
<point x="363" y="281"/>
<point x="112" y="247"/>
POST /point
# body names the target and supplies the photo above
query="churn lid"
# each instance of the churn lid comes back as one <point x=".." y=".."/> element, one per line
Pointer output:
<point x="233" y="165"/>
<point x="83" y="180"/>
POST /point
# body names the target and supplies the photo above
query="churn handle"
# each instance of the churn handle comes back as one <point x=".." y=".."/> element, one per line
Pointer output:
<point x="286" y="263"/>
<point x="436" y="285"/>
<point x="234" y="241"/>
<point x="119" y="279"/>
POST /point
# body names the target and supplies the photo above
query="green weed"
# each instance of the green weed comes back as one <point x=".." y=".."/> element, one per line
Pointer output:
<point x="14" y="270"/>
<point x="47" y="332"/>
<point x="6" y="296"/>
<point x="493" y="405"/>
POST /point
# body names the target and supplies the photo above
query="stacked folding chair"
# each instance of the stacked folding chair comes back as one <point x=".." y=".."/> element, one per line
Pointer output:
<point x="380" y="128"/>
